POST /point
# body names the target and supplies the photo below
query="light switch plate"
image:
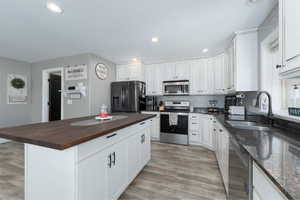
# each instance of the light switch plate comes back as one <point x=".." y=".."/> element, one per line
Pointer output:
<point x="70" y="101"/>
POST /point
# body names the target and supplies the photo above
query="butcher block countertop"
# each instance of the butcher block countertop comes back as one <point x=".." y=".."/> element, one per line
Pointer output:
<point x="62" y="134"/>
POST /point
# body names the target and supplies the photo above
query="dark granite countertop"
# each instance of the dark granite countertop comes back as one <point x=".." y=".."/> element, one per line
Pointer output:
<point x="276" y="151"/>
<point x="62" y="134"/>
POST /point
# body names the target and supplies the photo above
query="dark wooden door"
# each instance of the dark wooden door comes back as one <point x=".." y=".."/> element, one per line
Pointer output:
<point x="54" y="97"/>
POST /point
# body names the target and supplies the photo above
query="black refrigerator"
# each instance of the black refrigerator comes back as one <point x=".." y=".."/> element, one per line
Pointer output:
<point x="128" y="96"/>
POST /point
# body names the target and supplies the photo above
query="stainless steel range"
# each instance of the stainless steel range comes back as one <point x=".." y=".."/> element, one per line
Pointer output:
<point x="174" y="122"/>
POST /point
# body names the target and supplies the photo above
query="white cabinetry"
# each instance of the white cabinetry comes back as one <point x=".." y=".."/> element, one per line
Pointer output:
<point x="200" y="130"/>
<point x="155" y="132"/>
<point x="99" y="169"/>
<point x="117" y="169"/>
<point x="93" y="177"/>
<point x="221" y="74"/>
<point x="132" y="72"/>
<point x="222" y="152"/>
<point x="263" y="187"/>
<point x="202" y="77"/>
<point x="229" y="61"/>
<point x="289" y="37"/>
<point x="176" y="71"/>
<point x="245" y="61"/>
<point x="154" y="78"/>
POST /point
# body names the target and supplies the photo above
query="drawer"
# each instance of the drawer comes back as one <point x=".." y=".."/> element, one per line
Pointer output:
<point x="194" y="117"/>
<point x="194" y="126"/>
<point x="98" y="144"/>
<point x="194" y="137"/>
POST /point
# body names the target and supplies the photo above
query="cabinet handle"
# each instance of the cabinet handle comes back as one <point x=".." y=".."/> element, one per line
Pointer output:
<point x="142" y="123"/>
<point x="220" y="130"/>
<point x="109" y="161"/>
<point x="293" y="57"/>
<point x="278" y="66"/>
<point x="114" y="158"/>
<point x="110" y="136"/>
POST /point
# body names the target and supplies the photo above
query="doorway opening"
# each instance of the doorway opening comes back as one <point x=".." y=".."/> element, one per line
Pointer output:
<point x="53" y="80"/>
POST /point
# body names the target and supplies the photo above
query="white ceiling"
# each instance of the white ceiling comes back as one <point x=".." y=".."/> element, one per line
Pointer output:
<point x="122" y="29"/>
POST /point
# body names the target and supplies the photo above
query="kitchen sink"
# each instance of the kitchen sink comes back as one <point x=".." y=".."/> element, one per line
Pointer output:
<point x="249" y="125"/>
<point x="92" y="122"/>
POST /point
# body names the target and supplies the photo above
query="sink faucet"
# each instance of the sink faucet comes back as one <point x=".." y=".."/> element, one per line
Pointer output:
<point x="269" y="102"/>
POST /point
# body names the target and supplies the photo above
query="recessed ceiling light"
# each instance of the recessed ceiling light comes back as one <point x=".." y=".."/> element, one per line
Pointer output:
<point x="204" y="50"/>
<point x="134" y="59"/>
<point x="155" y="39"/>
<point x="53" y="7"/>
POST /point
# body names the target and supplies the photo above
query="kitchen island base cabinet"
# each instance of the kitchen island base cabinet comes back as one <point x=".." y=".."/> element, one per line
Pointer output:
<point x="99" y="169"/>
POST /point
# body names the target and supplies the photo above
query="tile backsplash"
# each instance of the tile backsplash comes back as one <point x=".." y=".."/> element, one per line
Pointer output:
<point x="196" y="101"/>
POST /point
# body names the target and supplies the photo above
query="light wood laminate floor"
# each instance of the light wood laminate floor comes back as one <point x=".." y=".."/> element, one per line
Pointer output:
<point x="175" y="172"/>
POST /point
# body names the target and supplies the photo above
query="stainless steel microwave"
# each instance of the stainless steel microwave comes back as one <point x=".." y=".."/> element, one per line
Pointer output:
<point x="179" y="87"/>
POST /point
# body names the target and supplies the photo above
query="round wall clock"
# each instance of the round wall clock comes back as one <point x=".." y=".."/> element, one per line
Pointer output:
<point x="101" y="71"/>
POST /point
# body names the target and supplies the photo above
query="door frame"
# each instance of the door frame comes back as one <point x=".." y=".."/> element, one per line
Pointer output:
<point x="45" y="92"/>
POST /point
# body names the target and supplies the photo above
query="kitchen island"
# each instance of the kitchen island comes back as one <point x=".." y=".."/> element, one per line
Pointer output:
<point x="83" y="159"/>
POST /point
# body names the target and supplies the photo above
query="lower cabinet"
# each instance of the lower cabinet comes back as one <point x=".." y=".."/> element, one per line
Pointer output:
<point x="93" y="177"/>
<point x="201" y="130"/>
<point x="117" y="169"/>
<point x="222" y="152"/>
<point x="263" y="187"/>
<point x="104" y="175"/>
<point x="155" y="132"/>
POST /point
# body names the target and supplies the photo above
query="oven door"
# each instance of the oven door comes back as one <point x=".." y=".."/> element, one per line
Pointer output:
<point x="177" y="134"/>
<point x="176" y="88"/>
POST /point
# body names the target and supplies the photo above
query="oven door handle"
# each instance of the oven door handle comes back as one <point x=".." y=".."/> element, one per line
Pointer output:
<point x="178" y="113"/>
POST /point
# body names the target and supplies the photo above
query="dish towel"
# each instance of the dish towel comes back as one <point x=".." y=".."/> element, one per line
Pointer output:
<point x="173" y="119"/>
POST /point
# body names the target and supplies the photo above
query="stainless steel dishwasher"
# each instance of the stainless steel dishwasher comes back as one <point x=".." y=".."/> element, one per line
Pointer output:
<point x="240" y="172"/>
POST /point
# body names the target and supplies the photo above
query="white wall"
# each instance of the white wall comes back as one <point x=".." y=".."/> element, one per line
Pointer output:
<point x="97" y="91"/>
<point x="100" y="89"/>
<point x="14" y="114"/>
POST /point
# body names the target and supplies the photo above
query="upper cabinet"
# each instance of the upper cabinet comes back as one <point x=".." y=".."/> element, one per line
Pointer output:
<point x="154" y="79"/>
<point x="221" y="74"/>
<point x="202" y="78"/>
<point x="245" y="61"/>
<point x="289" y="31"/>
<point x="131" y="72"/>
<point x="234" y="70"/>
<point x="177" y="71"/>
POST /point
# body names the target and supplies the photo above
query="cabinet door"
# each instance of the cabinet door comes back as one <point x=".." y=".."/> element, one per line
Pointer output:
<point x="225" y="161"/>
<point x="134" y="157"/>
<point x="199" y="79"/>
<point x="182" y="70"/>
<point x="135" y="72"/>
<point x="155" y="128"/>
<point x="207" y="131"/>
<point x="169" y="71"/>
<point x="145" y="142"/>
<point x="292" y="33"/>
<point x="118" y="173"/>
<point x="158" y="79"/>
<point x="220" y="74"/>
<point x="209" y="73"/>
<point x="123" y="74"/>
<point x="149" y="78"/>
<point x="93" y="177"/>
